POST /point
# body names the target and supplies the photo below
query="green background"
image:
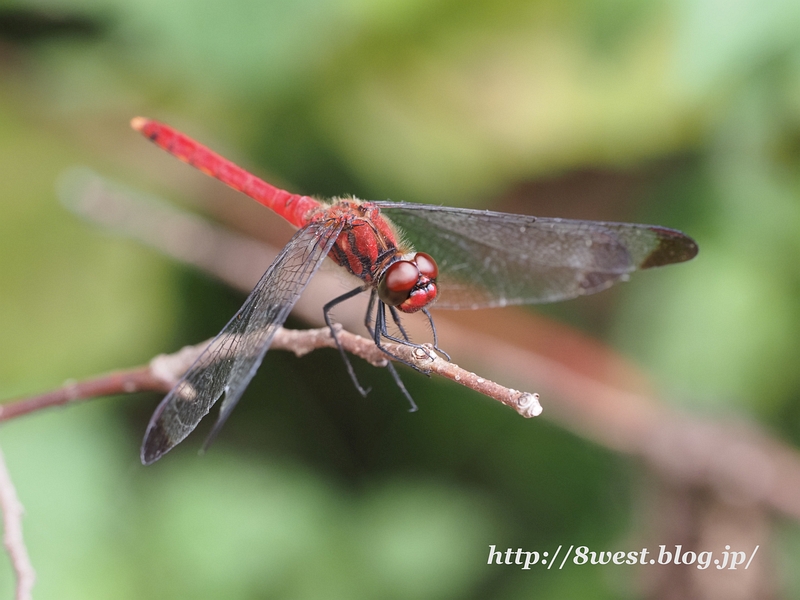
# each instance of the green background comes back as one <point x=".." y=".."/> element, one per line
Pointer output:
<point x="692" y="107"/>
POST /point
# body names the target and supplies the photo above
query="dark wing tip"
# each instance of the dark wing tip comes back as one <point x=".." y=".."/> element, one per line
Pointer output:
<point x="673" y="247"/>
<point x="156" y="444"/>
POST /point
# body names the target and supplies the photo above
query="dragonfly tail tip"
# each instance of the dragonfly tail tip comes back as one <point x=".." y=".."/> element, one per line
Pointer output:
<point x="138" y="123"/>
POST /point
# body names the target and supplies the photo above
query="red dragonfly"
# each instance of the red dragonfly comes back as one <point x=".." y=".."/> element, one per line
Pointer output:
<point x="485" y="259"/>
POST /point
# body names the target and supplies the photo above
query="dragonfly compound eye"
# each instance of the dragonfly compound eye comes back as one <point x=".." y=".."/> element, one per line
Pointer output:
<point x="397" y="282"/>
<point x="426" y="265"/>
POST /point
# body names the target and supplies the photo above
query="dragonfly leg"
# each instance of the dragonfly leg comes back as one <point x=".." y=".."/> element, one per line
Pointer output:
<point x="396" y="319"/>
<point x="373" y="331"/>
<point x="401" y="385"/>
<point x="368" y="316"/>
<point x="381" y="332"/>
<point x="427" y="313"/>
<point x="385" y="332"/>
<point x="380" y="326"/>
<point x="377" y="332"/>
<point x="326" y="313"/>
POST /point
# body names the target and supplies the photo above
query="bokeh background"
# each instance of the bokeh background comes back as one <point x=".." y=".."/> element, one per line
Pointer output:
<point x="684" y="113"/>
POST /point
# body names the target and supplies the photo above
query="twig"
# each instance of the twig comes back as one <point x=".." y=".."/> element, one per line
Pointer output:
<point x="524" y="403"/>
<point x="12" y="534"/>
<point x="139" y="379"/>
<point x="165" y="370"/>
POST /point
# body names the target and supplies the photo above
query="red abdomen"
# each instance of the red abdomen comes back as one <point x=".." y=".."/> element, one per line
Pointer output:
<point x="292" y="207"/>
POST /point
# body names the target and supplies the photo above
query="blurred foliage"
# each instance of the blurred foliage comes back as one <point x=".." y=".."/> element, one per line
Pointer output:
<point x="312" y="491"/>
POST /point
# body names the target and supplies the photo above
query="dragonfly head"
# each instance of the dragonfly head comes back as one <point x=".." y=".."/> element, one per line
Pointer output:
<point x="409" y="285"/>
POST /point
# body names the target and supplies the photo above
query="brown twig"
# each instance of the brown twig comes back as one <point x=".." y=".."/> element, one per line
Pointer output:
<point x="427" y="360"/>
<point x="165" y="370"/>
<point x="139" y="379"/>
<point x="12" y="534"/>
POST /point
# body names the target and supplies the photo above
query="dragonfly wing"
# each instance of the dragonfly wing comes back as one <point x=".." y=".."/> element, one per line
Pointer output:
<point x="229" y="362"/>
<point x="490" y="258"/>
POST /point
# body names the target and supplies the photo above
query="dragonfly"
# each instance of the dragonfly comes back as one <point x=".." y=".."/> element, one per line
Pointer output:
<point x="469" y="259"/>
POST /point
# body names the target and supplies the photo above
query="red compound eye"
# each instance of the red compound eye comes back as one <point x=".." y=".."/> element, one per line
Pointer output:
<point x="426" y="265"/>
<point x="397" y="282"/>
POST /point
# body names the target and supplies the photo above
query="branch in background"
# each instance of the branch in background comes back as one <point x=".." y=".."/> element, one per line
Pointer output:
<point x="12" y="534"/>
<point x="165" y="370"/>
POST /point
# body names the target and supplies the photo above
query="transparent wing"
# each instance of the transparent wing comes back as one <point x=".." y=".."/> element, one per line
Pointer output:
<point x="490" y="258"/>
<point x="229" y="362"/>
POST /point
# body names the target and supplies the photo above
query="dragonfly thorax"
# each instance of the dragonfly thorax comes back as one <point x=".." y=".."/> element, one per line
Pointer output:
<point x="409" y="285"/>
